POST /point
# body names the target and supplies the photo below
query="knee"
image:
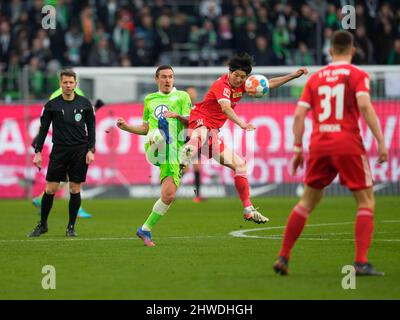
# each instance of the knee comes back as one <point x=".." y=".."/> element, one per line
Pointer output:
<point x="241" y="167"/>
<point x="367" y="203"/>
<point x="51" y="189"/>
<point x="74" y="188"/>
<point x="168" y="196"/>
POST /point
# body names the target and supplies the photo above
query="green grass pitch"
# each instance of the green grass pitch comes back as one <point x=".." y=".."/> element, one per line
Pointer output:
<point x="195" y="257"/>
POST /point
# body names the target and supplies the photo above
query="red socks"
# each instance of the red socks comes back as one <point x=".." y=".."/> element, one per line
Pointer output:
<point x="242" y="187"/>
<point x="364" y="228"/>
<point x="294" y="227"/>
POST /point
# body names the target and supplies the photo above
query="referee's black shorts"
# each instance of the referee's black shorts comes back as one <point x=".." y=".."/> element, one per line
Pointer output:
<point x="67" y="163"/>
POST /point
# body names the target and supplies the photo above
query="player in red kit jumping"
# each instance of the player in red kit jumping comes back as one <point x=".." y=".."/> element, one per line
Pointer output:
<point x="208" y="116"/>
<point x="336" y="95"/>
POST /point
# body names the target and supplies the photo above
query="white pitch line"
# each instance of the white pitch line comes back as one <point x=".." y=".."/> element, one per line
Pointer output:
<point x="242" y="233"/>
<point x="32" y="240"/>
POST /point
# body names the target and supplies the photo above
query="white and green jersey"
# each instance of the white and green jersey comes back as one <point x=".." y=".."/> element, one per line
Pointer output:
<point x="155" y="104"/>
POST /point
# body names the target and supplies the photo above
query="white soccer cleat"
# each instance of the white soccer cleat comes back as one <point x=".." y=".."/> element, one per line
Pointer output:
<point x="186" y="155"/>
<point x="251" y="214"/>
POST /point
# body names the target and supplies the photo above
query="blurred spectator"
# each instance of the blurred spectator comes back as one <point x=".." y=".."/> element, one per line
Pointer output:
<point x="88" y="31"/>
<point x="225" y="35"/>
<point x="73" y="41"/>
<point x="394" y="55"/>
<point x="180" y="29"/>
<point x="364" y="49"/>
<point x="302" y="56"/>
<point x="108" y="14"/>
<point x="5" y="44"/>
<point x="328" y="32"/>
<point x="280" y="41"/>
<point x="384" y="42"/>
<point x="102" y="54"/>
<point x="208" y="43"/>
<point x="264" y="56"/>
<point x="11" y="79"/>
<point x="210" y="9"/>
<point x="194" y="33"/>
<point x="36" y="79"/>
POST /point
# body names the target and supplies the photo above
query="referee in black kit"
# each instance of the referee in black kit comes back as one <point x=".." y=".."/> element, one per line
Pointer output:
<point x="74" y="136"/>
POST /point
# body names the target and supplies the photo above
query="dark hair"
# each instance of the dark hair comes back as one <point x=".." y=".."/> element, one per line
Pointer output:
<point x="164" y="67"/>
<point x="341" y="42"/>
<point x="67" y="73"/>
<point x="241" y="61"/>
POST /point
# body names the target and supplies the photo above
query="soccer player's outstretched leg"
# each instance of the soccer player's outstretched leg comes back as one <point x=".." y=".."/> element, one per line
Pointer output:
<point x="165" y="115"/>
<point x="336" y="95"/>
<point x="208" y="116"/>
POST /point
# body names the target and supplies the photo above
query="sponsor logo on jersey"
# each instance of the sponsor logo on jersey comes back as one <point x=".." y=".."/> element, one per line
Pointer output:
<point x="227" y="93"/>
<point x="159" y="110"/>
<point x="237" y="94"/>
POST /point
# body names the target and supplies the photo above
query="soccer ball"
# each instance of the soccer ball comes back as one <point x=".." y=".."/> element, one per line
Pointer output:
<point x="257" y="83"/>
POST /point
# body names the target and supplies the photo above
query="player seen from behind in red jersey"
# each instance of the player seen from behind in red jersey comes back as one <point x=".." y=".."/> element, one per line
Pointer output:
<point x="208" y="116"/>
<point x="336" y="95"/>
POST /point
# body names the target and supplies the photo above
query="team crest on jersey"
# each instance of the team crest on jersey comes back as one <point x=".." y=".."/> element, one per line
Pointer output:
<point x="237" y="94"/>
<point x="159" y="110"/>
<point x="78" y="117"/>
<point x="227" y="93"/>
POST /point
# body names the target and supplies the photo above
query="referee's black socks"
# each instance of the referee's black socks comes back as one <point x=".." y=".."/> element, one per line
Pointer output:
<point x="74" y="205"/>
<point x="47" y="203"/>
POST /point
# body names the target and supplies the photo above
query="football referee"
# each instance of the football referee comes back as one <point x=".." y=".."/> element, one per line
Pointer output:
<point x="74" y="134"/>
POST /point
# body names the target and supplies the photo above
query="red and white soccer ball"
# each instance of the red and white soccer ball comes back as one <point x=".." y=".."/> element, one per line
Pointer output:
<point x="257" y="83"/>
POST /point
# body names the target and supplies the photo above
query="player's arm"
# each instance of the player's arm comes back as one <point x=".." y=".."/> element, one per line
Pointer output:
<point x="298" y="131"/>
<point x="279" y="81"/>
<point x="231" y="114"/>
<point x="182" y="119"/>
<point x="368" y="112"/>
<point x="45" y="121"/>
<point x="90" y="120"/>
<point x="142" y="129"/>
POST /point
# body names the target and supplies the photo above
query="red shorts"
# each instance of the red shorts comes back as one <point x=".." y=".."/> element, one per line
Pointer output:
<point x="215" y="143"/>
<point x="354" y="171"/>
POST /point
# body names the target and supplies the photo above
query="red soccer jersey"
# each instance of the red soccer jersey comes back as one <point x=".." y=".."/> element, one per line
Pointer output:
<point x="209" y="112"/>
<point x="331" y="94"/>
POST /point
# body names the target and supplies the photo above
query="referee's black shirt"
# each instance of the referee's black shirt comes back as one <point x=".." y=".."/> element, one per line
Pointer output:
<point x="73" y="122"/>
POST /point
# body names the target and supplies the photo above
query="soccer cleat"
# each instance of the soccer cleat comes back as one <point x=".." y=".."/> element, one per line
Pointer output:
<point x="37" y="202"/>
<point x="281" y="266"/>
<point x="197" y="199"/>
<point x="146" y="237"/>
<point x="39" y="230"/>
<point x="71" y="232"/>
<point x="366" y="269"/>
<point x="186" y="155"/>
<point x="251" y="214"/>
<point x="83" y="214"/>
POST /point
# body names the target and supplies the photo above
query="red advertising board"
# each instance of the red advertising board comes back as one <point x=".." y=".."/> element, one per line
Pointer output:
<point x="120" y="156"/>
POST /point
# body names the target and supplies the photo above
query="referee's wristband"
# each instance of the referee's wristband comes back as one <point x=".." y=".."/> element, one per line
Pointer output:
<point x="297" y="148"/>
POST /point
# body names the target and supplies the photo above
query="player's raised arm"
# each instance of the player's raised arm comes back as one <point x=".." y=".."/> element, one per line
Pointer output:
<point x="139" y="129"/>
<point x="182" y="119"/>
<point x="231" y="114"/>
<point x="369" y="114"/>
<point x="279" y="81"/>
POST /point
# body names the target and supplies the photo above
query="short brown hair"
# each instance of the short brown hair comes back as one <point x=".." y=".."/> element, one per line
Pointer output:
<point x="164" y="67"/>
<point x="67" y="73"/>
<point x="341" y="42"/>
